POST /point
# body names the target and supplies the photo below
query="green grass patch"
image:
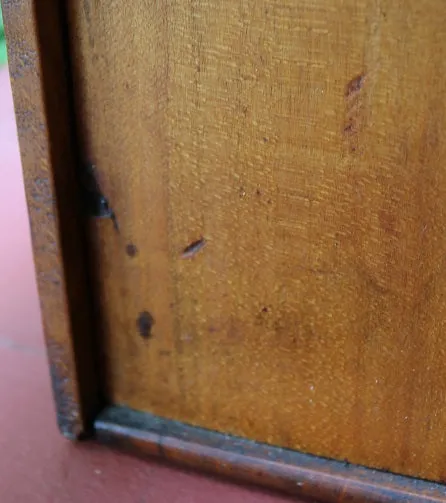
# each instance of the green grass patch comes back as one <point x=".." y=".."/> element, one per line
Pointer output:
<point x="3" y="56"/>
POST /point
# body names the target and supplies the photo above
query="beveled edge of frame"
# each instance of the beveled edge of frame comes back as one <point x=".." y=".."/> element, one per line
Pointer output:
<point x="301" y="475"/>
<point x="40" y="75"/>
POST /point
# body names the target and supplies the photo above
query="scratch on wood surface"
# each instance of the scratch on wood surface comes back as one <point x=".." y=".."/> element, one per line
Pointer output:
<point x="353" y="111"/>
<point x="354" y="86"/>
<point x="193" y="248"/>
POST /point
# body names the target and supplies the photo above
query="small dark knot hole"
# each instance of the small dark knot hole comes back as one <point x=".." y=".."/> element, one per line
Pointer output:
<point x="144" y="324"/>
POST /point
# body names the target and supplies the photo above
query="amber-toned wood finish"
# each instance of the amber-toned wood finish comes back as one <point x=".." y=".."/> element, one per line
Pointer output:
<point x="271" y="265"/>
<point x="276" y="169"/>
<point x="38" y="69"/>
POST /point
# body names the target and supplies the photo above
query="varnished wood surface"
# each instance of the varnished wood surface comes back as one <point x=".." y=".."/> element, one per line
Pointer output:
<point x="276" y="171"/>
<point x="38" y="69"/>
<point x="315" y="480"/>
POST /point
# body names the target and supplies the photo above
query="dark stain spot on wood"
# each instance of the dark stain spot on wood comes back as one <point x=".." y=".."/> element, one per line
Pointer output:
<point x="354" y="86"/>
<point x="265" y="139"/>
<point x="263" y="317"/>
<point x="258" y="193"/>
<point x="145" y="324"/>
<point x="131" y="250"/>
<point x="96" y="204"/>
<point x="193" y="248"/>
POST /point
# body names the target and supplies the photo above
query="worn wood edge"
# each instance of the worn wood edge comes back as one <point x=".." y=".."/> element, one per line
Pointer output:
<point x="301" y="475"/>
<point x="40" y="76"/>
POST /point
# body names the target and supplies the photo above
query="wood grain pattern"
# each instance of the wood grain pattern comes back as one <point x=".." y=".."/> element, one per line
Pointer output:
<point x="38" y="71"/>
<point x="300" y="475"/>
<point x="303" y="143"/>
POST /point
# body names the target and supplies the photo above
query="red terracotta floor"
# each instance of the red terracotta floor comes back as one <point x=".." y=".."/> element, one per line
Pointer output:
<point x="37" y="464"/>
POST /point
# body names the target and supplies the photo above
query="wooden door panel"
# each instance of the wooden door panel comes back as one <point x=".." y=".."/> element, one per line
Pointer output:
<point x="276" y="172"/>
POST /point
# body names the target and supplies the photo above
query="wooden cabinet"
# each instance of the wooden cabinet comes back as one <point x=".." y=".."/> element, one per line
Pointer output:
<point x="238" y="213"/>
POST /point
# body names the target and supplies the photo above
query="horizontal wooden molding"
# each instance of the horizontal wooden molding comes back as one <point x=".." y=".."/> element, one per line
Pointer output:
<point x="302" y="475"/>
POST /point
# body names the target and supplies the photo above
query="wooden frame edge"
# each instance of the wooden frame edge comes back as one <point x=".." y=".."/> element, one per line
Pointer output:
<point x="301" y="475"/>
<point x="40" y="74"/>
